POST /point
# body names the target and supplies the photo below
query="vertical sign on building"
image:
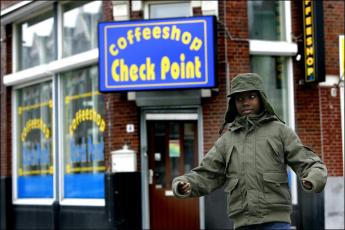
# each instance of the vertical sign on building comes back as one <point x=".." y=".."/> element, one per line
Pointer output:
<point x="314" y="62"/>
<point x="341" y="77"/>
<point x="341" y="57"/>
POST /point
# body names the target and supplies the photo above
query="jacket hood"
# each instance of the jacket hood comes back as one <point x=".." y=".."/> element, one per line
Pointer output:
<point x="241" y="83"/>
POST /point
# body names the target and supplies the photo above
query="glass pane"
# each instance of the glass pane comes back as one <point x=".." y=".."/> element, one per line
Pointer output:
<point x="84" y="125"/>
<point x="189" y="146"/>
<point x="174" y="150"/>
<point x="36" y="41"/>
<point x="34" y="142"/>
<point x="273" y="70"/>
<point x="160" y="154"/>
<point x="170" y="10"/>
<point x="80" y="21"/>
<point x="266" y="20"/>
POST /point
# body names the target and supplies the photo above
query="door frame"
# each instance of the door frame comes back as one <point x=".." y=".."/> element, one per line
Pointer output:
<point x="162" y="113"/>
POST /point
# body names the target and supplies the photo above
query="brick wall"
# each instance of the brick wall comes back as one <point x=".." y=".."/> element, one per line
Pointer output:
<point x="5" y="95"/>
<point x="330" y="106"/>
<point x="238" y="46"/>
<point x="317" y="113"/>
<point x="331" y="131"/>
<point x="334" y="26"/>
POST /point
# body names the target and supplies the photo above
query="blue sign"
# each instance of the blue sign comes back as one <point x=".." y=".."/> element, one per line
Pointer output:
<point x="157" y="54"/>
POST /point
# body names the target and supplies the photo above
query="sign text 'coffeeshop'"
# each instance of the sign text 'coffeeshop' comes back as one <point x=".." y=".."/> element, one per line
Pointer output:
<point x="157" y="54"/>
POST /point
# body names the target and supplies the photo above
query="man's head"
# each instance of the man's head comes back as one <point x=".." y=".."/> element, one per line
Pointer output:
<point x="248" y="103"/>
<point x="245" y="83"/>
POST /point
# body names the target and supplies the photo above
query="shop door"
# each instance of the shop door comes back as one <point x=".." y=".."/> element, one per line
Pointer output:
<point x="172" y="149"/>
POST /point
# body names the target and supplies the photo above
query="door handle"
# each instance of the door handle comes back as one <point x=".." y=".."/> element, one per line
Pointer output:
<point x="150" y="176"/>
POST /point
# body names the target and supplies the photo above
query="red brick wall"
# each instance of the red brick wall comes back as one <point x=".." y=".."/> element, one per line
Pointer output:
<point x="238" y="46"/>
<point x="318" y="114"/>
<point x="331" y="131"/>
<point x="330" y="106"/>
<point x="334" y="26"/>
<point x="5" y="106"/>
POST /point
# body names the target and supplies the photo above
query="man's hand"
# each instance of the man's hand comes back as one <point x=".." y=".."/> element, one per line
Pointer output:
<point x="307" y="185"/>
<point x="183" y="187"/>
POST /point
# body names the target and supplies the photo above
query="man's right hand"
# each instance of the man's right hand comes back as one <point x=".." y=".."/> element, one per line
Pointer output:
<point x="183" y="187"/>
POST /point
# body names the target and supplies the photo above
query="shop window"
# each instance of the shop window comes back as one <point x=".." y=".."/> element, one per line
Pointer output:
<point x="80" y="22"/>
<point x="36" y="41"/>
<point x="273" y="70"/>
<point x="266" y="20"/>
<point x="34" y="161"/>
<point x="65" y="163"/>
<point x="83" y="142"/>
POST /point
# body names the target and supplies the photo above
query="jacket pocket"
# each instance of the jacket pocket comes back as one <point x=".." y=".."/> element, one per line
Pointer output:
<point x="234" y="197"/>
<point x="276" y="188"/>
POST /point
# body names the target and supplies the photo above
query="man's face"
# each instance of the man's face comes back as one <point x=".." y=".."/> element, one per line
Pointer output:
<point x="248" y="103"/>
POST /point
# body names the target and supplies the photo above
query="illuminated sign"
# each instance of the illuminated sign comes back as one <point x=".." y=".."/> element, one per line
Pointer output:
<point x="313" y="41"/>
<point x="157" y="54"/>
<point x="341" y="57"/>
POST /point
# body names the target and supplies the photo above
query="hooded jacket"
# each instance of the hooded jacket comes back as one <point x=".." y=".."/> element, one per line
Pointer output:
<point x="241" y="83"/>
<point x="251" y="158"/>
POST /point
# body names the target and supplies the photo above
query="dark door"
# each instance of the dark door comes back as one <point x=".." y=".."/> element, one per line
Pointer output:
<point x="172" y="149"/>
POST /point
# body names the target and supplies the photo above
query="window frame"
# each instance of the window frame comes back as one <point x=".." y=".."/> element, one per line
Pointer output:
<point x="15" y="37"/>
<point x="38" y="74"/>
<point x="28" y="201"/>
<point x="62" y="200"/>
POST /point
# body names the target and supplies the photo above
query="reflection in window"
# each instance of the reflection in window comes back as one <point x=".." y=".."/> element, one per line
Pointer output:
<point x="160" y="155"/>
<point x="36" y="41"/>
<point x="189" y="146"/>
<point x="169" y="10"/>
<point x="174" y="150"/>
<point x="84" y="125"/>
<point x="266" y="20"/>
<point x="273" y="70"/>
<point x="80" y="21"/>
<point x="34" y="142"/>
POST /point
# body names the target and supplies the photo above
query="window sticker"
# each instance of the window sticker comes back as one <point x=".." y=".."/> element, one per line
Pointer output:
<point x="34" y="158"/>
<point x="174" y="148"/>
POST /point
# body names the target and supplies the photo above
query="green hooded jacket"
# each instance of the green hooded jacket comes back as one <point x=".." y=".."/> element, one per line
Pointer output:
<point x="251" y="158"/>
